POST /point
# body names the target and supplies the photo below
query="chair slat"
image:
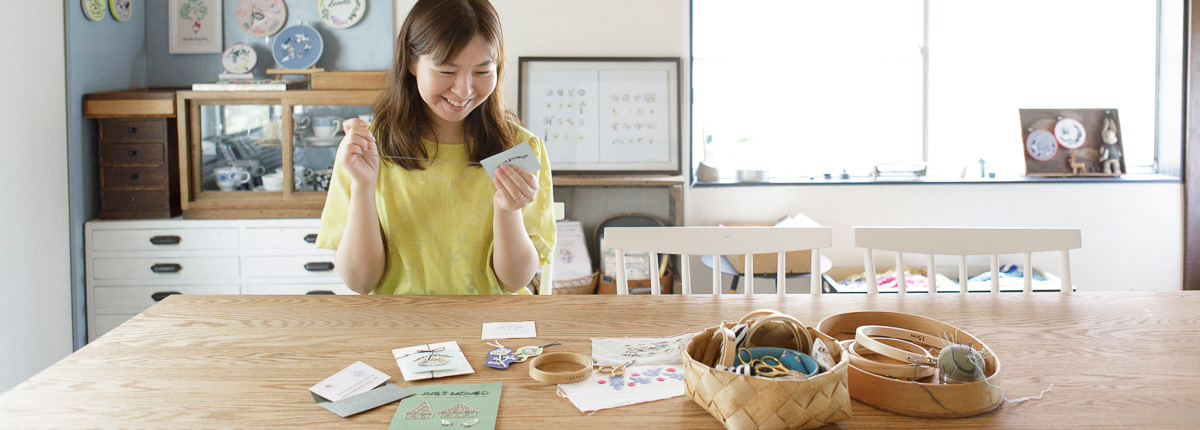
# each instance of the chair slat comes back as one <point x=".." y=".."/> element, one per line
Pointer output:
<point x="655" y="287"/>
<point x="931" y="276"/>
<point x="901" y="283"/>
<point x="748" y="270"/>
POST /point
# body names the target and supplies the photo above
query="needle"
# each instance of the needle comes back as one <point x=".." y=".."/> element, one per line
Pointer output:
<point x="417" y="158"/>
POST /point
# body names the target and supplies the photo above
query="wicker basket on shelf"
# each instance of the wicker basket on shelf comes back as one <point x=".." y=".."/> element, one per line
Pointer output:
<point x="584" y="285"/>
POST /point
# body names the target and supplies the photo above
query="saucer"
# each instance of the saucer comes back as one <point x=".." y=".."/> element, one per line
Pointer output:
<point x="323" y="141"/>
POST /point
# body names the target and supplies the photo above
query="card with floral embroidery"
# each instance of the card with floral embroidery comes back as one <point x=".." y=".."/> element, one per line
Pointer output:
<point x="639" y="384"/>
<point x="433" y="360"/>
<point x="449" y="406"/>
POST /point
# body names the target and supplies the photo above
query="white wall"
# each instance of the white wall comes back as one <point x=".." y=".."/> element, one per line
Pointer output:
<point x="1132" y="233"/>
<point x="35" y="294"/>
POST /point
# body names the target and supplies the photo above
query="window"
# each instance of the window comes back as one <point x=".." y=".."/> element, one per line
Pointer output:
<point x="815" y="87"/>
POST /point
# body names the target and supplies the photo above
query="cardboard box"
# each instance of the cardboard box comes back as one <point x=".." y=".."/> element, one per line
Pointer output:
<point x="794" y="262"/>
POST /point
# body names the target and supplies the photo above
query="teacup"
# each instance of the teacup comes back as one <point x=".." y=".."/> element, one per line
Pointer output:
<point x="250" y="165"/>
<point x="229" y="178"/>
<point x="319" y="178"/>
<point x="326" y="126"/>
<point x="273" y="181"/>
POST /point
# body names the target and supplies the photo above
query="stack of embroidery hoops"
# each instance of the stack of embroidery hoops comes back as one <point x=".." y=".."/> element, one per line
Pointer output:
<point x="768" y="370"/>
<point x="897" y="364"/>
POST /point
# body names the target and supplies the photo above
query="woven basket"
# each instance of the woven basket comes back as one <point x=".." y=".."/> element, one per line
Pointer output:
<point x="584" y="285"/>
<point x="750" y="402"/>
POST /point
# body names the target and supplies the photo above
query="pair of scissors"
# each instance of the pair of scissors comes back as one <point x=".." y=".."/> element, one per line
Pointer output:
<point x="617" y="369"/>
<point x="770" y="367"/>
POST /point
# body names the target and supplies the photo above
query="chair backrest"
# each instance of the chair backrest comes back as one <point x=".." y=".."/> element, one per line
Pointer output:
<point x="717" y="241"/>
<point x="964" y="241"/>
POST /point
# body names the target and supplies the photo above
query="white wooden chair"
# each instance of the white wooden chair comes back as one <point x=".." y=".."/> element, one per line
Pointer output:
<point x="964" y="241"/>
<point x="717" y="241"/>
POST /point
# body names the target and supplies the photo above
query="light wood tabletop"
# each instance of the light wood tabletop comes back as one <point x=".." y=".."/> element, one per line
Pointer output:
<point x="1117" y="360"/>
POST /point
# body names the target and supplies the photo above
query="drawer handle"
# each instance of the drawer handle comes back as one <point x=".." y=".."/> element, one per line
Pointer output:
<point x="165" y="240"/>
<point x="319" y="293"/>
<point x="132" y="152"/>
<point x="310" y="238"/>
<point x="163" y="294"/>
<point x="132" y="130"/>
<point x="166" y="268"/>
<point x="133" y="177"/>
<point x="321" y="266"/>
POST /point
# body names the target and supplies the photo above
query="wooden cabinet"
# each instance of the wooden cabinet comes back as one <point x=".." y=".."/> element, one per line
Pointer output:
<point x="138" y="164"/>
<point x="268" y="134"/>
<point x="132" y="264"/>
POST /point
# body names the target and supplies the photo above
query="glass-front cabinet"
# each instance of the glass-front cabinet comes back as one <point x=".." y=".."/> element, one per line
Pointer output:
<point x="255" y="154"/>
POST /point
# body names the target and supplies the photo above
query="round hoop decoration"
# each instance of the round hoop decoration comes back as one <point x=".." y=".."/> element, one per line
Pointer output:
<point x="297" y="47"/>
<point x="341" y="13"/>
<point x="121" y="9"/>
<point x="94" y="10"/>
<point x="1041" y="145"/>
<point x="238" y="58"/>
<point x="1070" y="133"/>
<point x="261" y="18"/>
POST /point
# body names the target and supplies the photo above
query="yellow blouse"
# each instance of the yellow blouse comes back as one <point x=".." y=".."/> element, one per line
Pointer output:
<point x="437" y="223"/>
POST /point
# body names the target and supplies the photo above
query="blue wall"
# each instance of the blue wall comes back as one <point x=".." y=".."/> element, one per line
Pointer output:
<point x="103" y="55"/>
<point x="109" y="55"/>
<point x="365" y="46"/>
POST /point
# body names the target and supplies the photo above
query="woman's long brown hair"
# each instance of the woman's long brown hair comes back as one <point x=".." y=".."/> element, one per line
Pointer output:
<point x="440" y="29"/>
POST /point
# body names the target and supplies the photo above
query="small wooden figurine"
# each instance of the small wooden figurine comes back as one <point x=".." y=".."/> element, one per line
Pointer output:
<point x="1077" y="167"/>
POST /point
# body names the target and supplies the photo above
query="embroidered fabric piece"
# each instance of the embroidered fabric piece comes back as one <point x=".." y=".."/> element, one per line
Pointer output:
<point x="640" y="384"/>
<point x="643" y="350"/>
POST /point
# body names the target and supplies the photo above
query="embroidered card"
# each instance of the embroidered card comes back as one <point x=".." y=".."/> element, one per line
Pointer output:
<point x="521" y="156"/>
<point x="639" y="384"/>
<point x="433" y="354"/>
<point x="640" y="350"/>
<point x="509" y="330"/>
<point x="355" y="379"/>
<point x="457" y="406"/>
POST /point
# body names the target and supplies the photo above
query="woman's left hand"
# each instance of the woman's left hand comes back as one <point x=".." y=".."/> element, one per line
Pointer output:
<point x="515" y="188"/>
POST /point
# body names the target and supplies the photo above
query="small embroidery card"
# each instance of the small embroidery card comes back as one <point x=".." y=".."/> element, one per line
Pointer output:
<point x="404" y="357"/>
<point x="358" y="378"/>
<point x="509" y="330"/>
<point x="450" y="406"/>
<point x="521" y="156"/>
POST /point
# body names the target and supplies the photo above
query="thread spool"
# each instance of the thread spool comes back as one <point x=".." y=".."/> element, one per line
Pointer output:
<point x="960" y="363"/>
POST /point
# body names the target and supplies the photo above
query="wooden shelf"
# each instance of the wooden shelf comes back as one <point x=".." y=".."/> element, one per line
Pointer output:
<point x="617" y="180"/>
<point x="135" y="103"/>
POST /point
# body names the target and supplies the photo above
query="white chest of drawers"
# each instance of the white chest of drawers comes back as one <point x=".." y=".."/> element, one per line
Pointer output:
<point x="132" y="264"/>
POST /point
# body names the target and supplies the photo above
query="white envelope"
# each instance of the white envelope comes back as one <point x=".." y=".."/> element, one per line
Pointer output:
<point x="355" y="379"/>
<point x="402" y="354"/>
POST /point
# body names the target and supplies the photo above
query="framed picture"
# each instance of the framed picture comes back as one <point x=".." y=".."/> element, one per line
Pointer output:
<point x="1072" y="142"/>
<point x="603" y="115"/>
<point x="194" y="26"/>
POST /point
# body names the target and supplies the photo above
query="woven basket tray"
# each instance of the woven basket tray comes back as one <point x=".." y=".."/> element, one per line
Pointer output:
<point x="924" y="398"/>
<point x="584" y="285"/>
<point x="751" y="402"/>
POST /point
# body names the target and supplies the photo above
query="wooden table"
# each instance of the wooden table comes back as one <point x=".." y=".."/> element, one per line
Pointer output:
<point x="1118" y="360"/>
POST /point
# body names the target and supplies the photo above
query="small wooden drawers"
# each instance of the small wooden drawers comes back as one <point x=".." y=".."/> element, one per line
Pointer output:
<point x="138" y="165"/>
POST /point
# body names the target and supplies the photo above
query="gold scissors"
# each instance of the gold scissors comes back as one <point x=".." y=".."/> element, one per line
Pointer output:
<point x="770" y="367"/>
<point x="616" y="370"/>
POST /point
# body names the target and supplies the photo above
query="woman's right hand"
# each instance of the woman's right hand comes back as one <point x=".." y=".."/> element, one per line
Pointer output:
<point x="359" y="155"/>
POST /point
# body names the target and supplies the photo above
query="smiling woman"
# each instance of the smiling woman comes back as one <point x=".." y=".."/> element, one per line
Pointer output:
<point x="408" y="206"/>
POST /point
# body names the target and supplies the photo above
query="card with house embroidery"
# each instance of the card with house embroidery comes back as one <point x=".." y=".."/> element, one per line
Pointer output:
<point x="449" y="406"/>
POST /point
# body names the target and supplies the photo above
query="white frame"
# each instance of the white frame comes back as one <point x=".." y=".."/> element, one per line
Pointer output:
<point x="671" y="87"/>
<point x="214" y="20"/>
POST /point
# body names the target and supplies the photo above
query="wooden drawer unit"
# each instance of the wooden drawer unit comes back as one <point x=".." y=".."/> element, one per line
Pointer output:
<point x="136" y="138"/>
<point x="131" y="264"/>
<point x="152" y="129"/>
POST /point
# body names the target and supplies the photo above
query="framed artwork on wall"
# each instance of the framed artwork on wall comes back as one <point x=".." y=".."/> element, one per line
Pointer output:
<point x="194" y="26"/>
<point x="603" y="115"/>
